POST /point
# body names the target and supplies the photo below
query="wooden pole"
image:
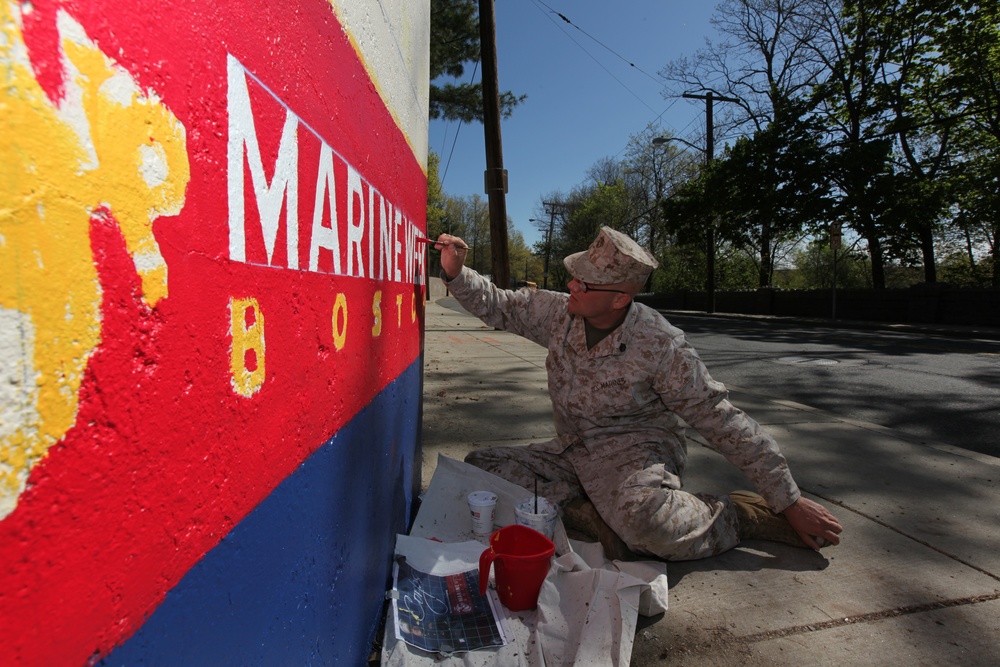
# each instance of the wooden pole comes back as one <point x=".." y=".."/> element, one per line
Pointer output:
<point x="496" y="175"/>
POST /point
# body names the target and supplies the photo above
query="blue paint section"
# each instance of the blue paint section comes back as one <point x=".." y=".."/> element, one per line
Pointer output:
<point x="302" y="579"/>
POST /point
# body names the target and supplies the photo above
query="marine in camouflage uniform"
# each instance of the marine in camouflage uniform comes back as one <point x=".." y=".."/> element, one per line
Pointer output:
<point x="622" y="407"/>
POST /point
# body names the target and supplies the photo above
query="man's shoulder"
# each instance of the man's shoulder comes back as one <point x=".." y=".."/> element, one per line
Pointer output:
<point x="549" y="302"/>
<point x="652" y="321"/>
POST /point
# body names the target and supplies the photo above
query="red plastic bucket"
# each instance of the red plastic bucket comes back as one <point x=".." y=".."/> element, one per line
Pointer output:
<point x="522" y="557"/>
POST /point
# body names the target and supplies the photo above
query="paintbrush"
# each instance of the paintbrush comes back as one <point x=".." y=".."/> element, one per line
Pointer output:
<point x="423" y="239"/>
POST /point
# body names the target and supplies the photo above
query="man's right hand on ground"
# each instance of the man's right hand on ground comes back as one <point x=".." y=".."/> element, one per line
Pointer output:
<point x="813" y="522"/>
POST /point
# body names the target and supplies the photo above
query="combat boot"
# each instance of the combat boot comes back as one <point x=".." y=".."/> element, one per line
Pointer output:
<point x="582" y="520"/>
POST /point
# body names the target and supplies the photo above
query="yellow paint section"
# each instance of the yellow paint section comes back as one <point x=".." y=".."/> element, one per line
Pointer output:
<point x="105" y="147"/>
<point x="247" y="328"/>
<point x="340" y="321"/>
<point x="377" y="314"/>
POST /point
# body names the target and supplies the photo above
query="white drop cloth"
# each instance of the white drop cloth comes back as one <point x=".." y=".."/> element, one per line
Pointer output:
<point x="588" y="606"/>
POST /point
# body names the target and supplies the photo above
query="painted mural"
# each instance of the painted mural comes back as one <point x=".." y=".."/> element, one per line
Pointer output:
<point x="210" y="325"/>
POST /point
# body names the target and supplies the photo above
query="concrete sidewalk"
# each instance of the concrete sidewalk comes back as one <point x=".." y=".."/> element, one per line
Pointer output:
<point x="915" y="581"/>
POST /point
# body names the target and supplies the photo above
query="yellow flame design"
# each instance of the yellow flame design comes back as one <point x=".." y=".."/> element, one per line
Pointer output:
<point x="106" y="144"/>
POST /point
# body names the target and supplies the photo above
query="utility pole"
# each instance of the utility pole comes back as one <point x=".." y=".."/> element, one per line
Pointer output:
<point x="495" y="175"/>
<point x="836" y="234"/>
<point x="551" y="207"/>
<point x="709" y="97"/>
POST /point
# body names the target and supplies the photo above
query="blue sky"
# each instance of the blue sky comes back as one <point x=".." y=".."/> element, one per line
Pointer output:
<point x="585" y="99"/>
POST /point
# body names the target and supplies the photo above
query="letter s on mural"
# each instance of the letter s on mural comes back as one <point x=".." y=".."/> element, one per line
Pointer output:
<point x="197" y="258"/>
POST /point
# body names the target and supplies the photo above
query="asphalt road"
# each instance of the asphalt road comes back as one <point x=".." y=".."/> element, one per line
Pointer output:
<point x="936" y="389"/>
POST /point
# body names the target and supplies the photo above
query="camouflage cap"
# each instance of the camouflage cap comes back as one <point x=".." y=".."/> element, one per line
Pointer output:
<point x="612" y="258"/>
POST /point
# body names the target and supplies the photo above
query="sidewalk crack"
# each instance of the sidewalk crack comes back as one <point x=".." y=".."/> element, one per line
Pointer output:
<point x="906" y="535"/>
<point x="869" y="617"/>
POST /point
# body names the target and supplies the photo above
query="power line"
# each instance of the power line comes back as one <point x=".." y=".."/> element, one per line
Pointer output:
<point x="592" y="57"/>
<point x="612" y="51"/>
<point x="565" y="19"/>
<point x="457" y="130"/>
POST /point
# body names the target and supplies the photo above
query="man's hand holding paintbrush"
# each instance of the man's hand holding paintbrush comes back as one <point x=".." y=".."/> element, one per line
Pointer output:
<point x="453" y="253"/>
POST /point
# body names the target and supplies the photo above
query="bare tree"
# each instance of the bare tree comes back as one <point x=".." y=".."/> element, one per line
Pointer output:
<point x="767" y="61"/>
<point x="654" y="167"/>
<point x="855" y="43"/>
<point x="766" y="56"/>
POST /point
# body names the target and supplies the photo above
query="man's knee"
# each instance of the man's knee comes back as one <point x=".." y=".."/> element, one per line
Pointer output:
<point x="636" y="529"/>
<point x="482" y="458"/>
<point x="500" y="461"/>
<point x="671" y="524"/>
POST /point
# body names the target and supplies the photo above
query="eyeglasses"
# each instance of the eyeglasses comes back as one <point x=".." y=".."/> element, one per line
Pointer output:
<point x="584" y="287"/>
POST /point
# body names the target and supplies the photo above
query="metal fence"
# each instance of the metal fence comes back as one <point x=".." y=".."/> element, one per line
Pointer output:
<point x="921" y="304"/>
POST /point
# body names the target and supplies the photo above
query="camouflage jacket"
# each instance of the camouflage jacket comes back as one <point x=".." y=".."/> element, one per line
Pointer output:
<point x="642" y="383"/>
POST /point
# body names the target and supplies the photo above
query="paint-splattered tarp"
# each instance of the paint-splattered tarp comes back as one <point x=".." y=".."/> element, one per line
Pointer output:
<point x="587" y="609"/>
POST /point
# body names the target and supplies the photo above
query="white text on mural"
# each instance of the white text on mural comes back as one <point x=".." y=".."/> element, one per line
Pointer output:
<point x="349" y="228"/>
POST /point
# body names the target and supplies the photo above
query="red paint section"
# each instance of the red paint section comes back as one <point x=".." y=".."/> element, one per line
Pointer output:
<point x="165" y="457"/>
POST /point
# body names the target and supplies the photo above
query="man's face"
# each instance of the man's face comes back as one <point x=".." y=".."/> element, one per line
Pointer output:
<point x="592" y="301"/>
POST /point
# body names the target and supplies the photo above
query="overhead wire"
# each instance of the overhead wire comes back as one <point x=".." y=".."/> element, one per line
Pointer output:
<point x="539" y="4"/>
<point x="618" y="55"/>
<point x="605" y="46"/>
<point x="457" y="130"/>
<point x="548" y="15"/>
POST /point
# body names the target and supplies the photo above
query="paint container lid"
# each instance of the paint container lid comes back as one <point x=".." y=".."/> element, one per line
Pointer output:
<point x="482" y="498"/>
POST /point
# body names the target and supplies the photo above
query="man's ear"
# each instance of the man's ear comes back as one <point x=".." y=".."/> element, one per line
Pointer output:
<point x="621" y="301"/>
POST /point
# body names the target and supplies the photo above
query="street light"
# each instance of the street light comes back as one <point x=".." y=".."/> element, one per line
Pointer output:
<point x="659" y="141"/>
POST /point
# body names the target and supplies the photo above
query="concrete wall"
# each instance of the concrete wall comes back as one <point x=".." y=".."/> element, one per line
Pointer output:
<point x="210" y="325"/>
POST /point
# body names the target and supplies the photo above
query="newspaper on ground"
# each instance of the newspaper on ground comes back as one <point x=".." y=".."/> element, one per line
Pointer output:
<point x="444" y="614"/>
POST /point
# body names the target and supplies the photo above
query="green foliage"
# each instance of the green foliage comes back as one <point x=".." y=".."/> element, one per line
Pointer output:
<point x="468" y="218"/>
<point x="454" y="37"/>
<point x="606" y="205"/>
<point x="907" y="90"/>
<point x="958" y="269"/>
<point x="970" y="56"/>
<point x="689" y="210"/>
<point x="682" y="267"/>
<point x="734" y="269"/>
<point x="464" y="102"/>
<point x="435" y="197"/>
<point x="524" y="264"/>
<point x="772" y="188"/>
<point x="454" y="44"/>
<point x="814" y="266"/>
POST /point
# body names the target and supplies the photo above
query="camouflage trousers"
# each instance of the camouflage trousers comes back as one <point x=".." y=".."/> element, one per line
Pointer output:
<point x="635" y="494"/>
